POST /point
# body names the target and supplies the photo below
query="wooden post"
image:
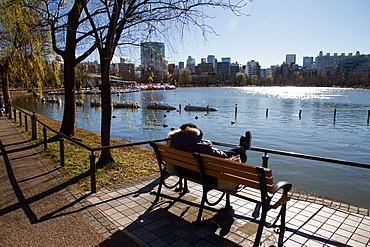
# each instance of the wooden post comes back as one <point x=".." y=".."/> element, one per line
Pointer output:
<point x="368" y="116"/>
<point x="236" y="110"/>
<point x="335" y="113"/>
<point x="93" y="172"/>
<point x="26" y="122"/>
<point x="179" y="107"/>
<point x="15" y="115"/>
<point x="300" y="114"/>
<point x="20" y="118"/>
<point x="267" y="112"/>
<point x="45" y="138"/>
<point x="34" y="125"/>
<point x="61" y="151"/>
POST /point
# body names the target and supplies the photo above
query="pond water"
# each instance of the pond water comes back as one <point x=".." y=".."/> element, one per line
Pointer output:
<point x="293" y="119"/>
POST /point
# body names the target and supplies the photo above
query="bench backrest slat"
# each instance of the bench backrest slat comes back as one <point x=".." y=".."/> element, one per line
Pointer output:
<point x="236" y="172"/>
<point x="177" y="157"/>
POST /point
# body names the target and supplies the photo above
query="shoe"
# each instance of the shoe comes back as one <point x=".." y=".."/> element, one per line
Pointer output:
<point x="243" y="157"/>
<point x="246" y="140"/>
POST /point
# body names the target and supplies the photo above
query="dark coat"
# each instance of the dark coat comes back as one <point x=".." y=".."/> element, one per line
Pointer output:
<point x="189" y="140"/>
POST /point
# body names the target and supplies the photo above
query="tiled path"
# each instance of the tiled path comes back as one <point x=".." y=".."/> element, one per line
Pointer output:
<point x="169" y="222"/>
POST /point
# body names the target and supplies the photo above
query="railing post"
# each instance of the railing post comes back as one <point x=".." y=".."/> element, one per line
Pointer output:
<point x="26" y="122"/>
<point x="15" y="115"/>
<point x="93" y="172"/>
<point x="34" y="125"/>
<point x="61" y="150"/>
<point x="265" y="159"/>
<point x="9" y="111"/>
<point x="20" y="118"/>
<point x="45" y="138"/>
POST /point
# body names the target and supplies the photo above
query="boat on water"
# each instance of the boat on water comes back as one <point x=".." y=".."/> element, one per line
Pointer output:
<point x="199" y="108"/>
<point x="126" y="105"/>
<point x="160" y="106"/>
<point x="53" y="100"/>
<point x="79" y="102"/>
<point x="95" y="103"/>
<point x="155" y="86"/>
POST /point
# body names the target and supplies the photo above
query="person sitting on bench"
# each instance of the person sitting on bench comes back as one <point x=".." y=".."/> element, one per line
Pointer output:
<point x="189" y="138"/>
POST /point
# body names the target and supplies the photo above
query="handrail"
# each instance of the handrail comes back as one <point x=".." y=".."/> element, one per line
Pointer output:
<point x="92" y="150"/>
<point x="298" y="155"/>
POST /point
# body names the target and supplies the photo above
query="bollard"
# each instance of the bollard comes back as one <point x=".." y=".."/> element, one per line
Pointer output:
<point x="300" y="114"/>
<point x="34" y="126"/>
<point x="267" y="112"/>
<point x="335" y="114"/>
<point x="45" y="139"/>
<point x="92" y="172"/>
<point x="20" y="118"/>
<point x="26" y="122"/>
<point x="368" y="116"/>
<point x="61" y="150"/>
<point x="236" y="110"/>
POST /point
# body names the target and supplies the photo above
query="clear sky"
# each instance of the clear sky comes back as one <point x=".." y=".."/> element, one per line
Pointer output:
<point x="279" y="27"/>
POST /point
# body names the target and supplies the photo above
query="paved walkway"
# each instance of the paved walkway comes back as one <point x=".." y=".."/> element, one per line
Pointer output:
<point x="38" y="208"/>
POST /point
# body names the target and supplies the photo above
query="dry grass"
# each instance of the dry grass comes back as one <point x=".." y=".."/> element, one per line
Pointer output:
<point x="130" y="162"/>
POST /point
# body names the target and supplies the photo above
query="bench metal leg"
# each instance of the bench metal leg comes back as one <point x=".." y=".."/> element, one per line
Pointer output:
<point x="260" y="228"/>
<point x="228" y="204"/>
<point x="201" y="207"/>
<point x="282" y="225"/>
<point x="159" y="190"/>
<point x="256" y="212"/>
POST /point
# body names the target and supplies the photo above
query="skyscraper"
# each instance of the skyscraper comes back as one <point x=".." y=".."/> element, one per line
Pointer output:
<point x="152" y="53"/>
<point x="307" y="62"/>
<point x="290" y="58"/>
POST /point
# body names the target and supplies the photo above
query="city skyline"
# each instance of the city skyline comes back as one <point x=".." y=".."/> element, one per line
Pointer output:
<point x="274" y="29"/>
<point x="277" y="28"/>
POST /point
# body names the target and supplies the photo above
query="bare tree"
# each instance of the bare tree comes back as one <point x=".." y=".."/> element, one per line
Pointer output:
<point x="70" y="32"/>
<point x="131" y="22"/>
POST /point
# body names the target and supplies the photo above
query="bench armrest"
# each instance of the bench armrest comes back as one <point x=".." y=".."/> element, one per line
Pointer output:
<point x="286" y="186"/>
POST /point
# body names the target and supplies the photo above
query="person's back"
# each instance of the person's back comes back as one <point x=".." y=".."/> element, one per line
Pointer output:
<point x="189" y="138"/>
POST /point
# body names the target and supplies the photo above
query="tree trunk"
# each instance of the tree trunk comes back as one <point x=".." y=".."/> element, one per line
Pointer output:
<point x="5" y="86"/>
<point x="106" y="105"/>
<point x="68" y="122"/>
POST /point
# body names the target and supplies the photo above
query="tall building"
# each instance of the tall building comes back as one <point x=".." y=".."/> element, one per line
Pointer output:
<point x="190" y="64"/>
<point x="252" y="68"/>
<point x="234" y="68"/>
<point x="151" y="53"/>
<point x="181" y="65"/>
<point x="212" y="60"/>
<point x="324" y="63"/>
<point x="226" y="60"/>
<point x="290" y="58"/>
<point x="224" y="68"/>
<point x="307" y="62"/>
<point x="152" y="59"/>
<point x="126" y="70"/>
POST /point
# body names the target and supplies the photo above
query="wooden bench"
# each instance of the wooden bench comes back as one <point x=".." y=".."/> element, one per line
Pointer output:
<point x="258" y="181"/>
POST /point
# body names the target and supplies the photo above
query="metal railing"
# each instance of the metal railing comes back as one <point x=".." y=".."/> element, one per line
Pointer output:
<point x="92" y="156"/>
